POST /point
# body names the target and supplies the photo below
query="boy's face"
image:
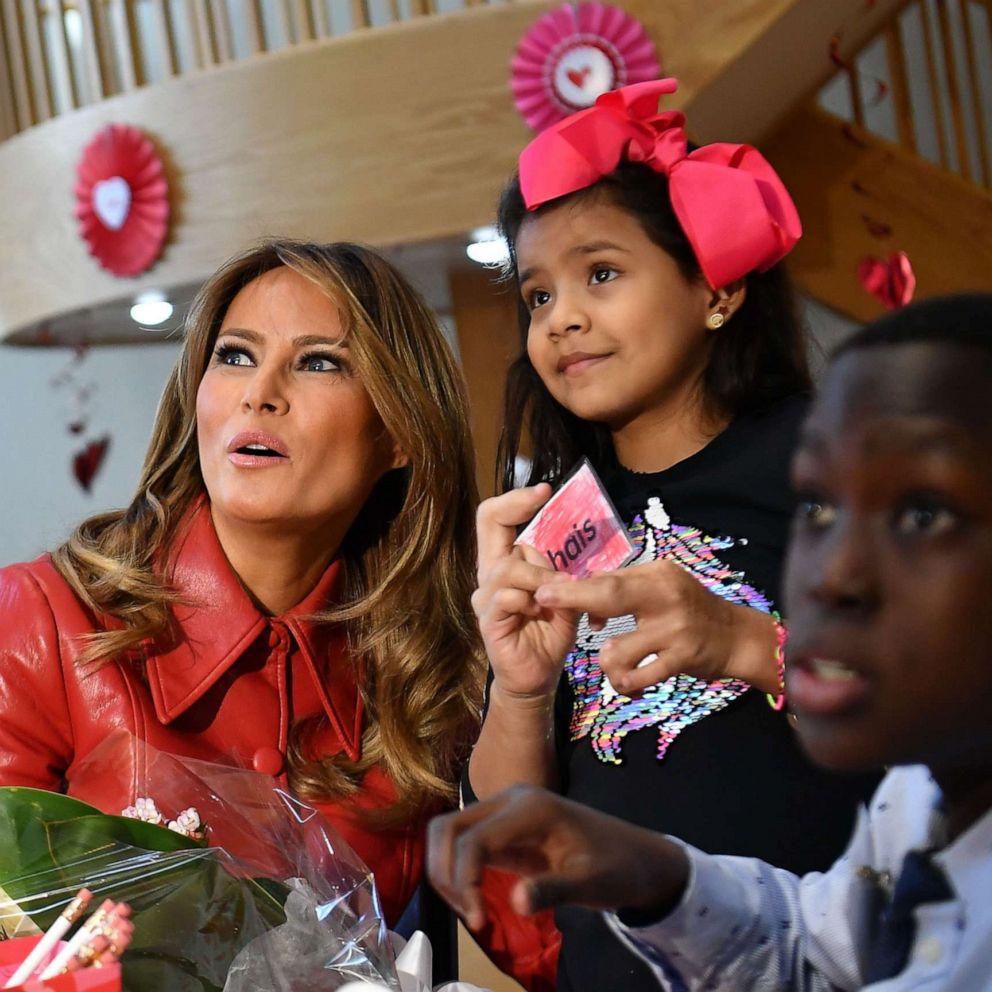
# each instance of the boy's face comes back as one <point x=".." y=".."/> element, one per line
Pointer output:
<point x="889" y="575"/>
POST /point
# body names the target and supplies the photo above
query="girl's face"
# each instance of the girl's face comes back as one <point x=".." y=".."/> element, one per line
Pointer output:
<point x="617" y="332"/>
<point x="286" y="430"/>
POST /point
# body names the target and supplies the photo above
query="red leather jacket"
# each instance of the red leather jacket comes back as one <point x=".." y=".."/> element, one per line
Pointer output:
<point x="227" y="690"/>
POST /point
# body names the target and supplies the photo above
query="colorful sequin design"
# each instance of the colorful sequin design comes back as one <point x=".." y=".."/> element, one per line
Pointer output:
<point x="604" y="715"/>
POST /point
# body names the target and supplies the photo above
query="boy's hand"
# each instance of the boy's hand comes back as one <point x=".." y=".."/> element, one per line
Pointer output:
<point x="526" y="642"/>
<point x="690" y="629"/>
<point x="564" y="853"/>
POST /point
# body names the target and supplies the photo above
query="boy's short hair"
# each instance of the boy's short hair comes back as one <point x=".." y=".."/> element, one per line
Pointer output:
<point x="963" y="320"/>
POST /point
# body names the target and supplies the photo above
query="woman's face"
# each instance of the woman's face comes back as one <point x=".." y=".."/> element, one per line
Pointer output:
<point x="287" y="433"/>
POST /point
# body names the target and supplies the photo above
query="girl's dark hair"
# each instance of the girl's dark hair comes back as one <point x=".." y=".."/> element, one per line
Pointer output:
<point x="759" y="357"/>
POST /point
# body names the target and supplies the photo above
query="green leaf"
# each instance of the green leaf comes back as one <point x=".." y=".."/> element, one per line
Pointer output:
<point x="191" y="915"/>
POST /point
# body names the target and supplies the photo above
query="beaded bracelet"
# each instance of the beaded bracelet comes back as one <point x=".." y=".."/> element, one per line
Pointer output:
<point x="777" y="702"/>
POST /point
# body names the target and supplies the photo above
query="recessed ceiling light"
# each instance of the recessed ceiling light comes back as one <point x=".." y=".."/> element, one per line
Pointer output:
<point x="151" y="309"/>
<point x="487" y="247"/>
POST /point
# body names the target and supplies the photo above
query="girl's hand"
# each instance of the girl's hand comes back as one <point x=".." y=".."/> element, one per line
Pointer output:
<point x="526" y="642"/>
<point x="564" y="853"/>
<point x="690" y="629"/>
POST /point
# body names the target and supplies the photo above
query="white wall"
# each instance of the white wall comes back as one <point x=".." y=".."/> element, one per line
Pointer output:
<point x="827" y="329"/>
<point x="41" y="501"/>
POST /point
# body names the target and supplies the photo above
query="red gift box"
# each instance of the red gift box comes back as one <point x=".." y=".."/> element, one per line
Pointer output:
<point x="13" y="952"/>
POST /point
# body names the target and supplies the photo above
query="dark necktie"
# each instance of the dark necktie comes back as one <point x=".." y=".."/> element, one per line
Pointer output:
<point x="919" y="882"/>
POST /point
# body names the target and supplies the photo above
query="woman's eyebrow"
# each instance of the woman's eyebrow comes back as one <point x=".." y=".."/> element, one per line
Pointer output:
<point x="303" y="341"/>
<point x="240" y="332"/>
<point x="317" y="340"/>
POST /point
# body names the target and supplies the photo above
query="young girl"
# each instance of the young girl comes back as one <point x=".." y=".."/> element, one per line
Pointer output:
<point x="660" y="342"/>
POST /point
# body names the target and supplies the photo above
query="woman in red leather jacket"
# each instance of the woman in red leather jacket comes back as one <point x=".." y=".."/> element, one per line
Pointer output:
<point x="289" y="588"/>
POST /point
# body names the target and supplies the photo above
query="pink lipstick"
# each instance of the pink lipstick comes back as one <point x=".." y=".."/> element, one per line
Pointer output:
<point x="257" y="449"/>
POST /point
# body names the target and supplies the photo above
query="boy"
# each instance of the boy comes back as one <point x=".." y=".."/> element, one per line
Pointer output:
<point x="887" y="590"/>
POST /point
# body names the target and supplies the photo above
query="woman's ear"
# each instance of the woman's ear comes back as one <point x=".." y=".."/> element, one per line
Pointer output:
<point x="400" y="458"/>
<point x="725" y="302"/>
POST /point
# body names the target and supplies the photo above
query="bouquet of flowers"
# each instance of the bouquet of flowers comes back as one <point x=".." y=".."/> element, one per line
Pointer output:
<point x="293" y="910"/>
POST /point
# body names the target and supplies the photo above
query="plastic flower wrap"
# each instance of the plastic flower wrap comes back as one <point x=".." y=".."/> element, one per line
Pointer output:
<point x="270" y="898"/>
<point x="414" y="966"/>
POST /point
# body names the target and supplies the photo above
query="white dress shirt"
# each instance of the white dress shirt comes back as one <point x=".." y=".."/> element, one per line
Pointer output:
<point x="743" y="925"/>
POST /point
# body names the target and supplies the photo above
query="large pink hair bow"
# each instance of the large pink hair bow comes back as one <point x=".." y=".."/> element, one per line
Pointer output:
<point x="734" y="209"/>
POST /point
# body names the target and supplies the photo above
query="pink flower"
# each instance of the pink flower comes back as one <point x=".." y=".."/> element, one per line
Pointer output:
<point x="143" y="809"/>
<point x="188" y="824"/>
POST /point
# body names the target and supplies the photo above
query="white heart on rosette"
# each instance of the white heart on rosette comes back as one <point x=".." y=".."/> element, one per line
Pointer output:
<point x="583" y="73"/>
<point x="112" y="202"/>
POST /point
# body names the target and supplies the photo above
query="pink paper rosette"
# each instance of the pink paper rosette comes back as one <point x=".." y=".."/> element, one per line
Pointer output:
<point x="122" y="200"/>
<point x="892" y="281"/>
<point x="574" y="54"/>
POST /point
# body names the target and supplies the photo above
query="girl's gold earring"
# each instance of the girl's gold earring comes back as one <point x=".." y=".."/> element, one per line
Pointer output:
<point x="716" y="320"/>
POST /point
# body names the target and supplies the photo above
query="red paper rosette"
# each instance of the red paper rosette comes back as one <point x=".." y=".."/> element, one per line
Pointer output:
<point x="122" y="200"/>
<point x="574" y="54"/>
<point x="891" y="281"/>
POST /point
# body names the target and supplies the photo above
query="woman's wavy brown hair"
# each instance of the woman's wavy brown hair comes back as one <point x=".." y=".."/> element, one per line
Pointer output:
<point x="408" y="559"/>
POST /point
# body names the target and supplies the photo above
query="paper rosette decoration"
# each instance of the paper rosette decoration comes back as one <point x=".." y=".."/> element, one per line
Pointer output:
<point x="574" y="54"/>
<point x="892" y="281"/>
<point x="122" y="200"/>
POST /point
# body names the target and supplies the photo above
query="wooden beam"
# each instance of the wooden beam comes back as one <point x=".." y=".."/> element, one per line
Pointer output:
<point x="198" y="19"/>
<point x="972" y="58"/>
<point x="129" y="63"/>
<point x="255" y="27"/>
<point x="419" y="150"/>
<point x="17" y="66"/>
<point x="37" y="57"/>
<point x="953" y="89"/>
<point x="902" y="105"/>
<point x="747" y="95"/>
<point x="92" y="59"/>
<point x="222" y="30"/>
<point x="859" y="196"/>
<point x="8" y="115"/>
<point x="61" y="57"/>
<point x="933" y="77"/>
<point x="486" y="317"/>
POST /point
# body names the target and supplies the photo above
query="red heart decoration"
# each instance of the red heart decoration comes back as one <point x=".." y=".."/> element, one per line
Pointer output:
<point x="892" y="281"/>
<point x="87" y="462"/>
<point x="577" y="77"/>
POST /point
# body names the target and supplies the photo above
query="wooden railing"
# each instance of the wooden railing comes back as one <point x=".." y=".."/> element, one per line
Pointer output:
<point x="926" y="83"/>
<point x="56" y="55"/>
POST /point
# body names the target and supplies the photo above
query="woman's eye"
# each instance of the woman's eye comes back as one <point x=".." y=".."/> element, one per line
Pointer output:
<point x="320" y="363"/>
<point x="229" y="355"/>
<point x="925" y="518"/>
<point x="603" y="273"/>
<point x="816" y="512"/>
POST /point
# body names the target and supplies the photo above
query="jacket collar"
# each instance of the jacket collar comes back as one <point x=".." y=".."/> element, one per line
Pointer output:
<point x="221" y="623"/>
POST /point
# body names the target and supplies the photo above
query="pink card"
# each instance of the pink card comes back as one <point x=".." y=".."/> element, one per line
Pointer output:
<point x="14" y="950"/>
<point x="578" y="529"/>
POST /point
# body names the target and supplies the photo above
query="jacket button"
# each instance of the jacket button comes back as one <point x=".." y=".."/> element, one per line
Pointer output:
<point x="268" y="761"/>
